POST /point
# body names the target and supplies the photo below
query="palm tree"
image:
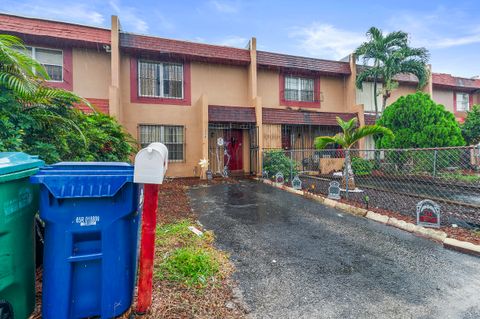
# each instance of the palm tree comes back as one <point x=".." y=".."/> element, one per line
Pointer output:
<point x="350" y="135"/>
<point x="386" y="56"/>
<point x="24" y="78"/>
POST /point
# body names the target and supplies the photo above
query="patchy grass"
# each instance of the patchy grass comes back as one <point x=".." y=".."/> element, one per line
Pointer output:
<point x="187" y="258"/>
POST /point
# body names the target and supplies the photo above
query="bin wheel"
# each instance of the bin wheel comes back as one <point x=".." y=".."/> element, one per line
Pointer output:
<point x="6" y="310"/>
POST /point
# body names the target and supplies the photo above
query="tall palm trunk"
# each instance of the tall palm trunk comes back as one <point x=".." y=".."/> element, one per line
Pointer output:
<point x="377" y="115"/>
<point x="384" y="100"/>
<point x="348" y="172"/>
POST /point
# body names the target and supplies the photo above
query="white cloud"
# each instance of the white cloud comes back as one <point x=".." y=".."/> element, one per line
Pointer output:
<point x="327" y="41"/>
<point x="234" y="41"/>
<point x="225" y="6"/>
<point x="443" y="28"/>
<point x="76" y="12"/>
<point x="129" y="17"/>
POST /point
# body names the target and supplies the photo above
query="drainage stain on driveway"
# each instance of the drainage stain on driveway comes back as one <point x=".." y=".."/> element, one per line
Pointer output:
<point x="296" y="258"/>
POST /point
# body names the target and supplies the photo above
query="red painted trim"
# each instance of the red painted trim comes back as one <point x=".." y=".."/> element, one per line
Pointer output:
<point x="315" y="104"/>
<point x="147" y="247"/>
<point x="67" y="83"/>
<point x="134" y="98"/>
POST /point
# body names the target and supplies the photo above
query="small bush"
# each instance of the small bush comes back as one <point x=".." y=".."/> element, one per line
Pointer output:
<point x="471" y="127"/>
<point x="418" y="122"/>
<point x="276" y="161"/>
<point x="192" y="266"/>
<point x="361" y="167"/>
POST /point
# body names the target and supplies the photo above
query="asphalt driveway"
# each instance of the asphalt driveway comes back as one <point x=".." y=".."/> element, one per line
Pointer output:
<point x="298" y="259"/>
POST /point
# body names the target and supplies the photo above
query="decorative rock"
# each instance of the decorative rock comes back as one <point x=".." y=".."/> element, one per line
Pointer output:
<point x="377" y="217"/>
<point x="401" y="224"/>
<point x="330" y="202"/>
<point x="434" y="234"/>
<point x="462" y="246"/>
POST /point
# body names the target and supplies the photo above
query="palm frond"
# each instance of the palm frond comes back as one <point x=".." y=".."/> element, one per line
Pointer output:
<point x="368" y="130"/>
<point x="322" y="142"/>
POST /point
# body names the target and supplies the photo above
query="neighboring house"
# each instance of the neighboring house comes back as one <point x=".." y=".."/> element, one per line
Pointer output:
<point x="208" y="101"/>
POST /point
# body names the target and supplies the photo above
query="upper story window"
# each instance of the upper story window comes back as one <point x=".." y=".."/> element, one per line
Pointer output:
<point x="366" y="96"/>
<point x="160" y="79"/>
<point x="299" y="89"/>
<point x="52" y="61"/>
<point x="463" y="102"/>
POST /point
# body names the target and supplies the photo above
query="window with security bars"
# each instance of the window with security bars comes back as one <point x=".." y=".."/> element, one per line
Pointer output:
<point x="463" y="102"/>
<point x="299" y="89"/>
<point x="52" y="61"/>
<point x="160" y="79"/>
<point x="172" y="136"/>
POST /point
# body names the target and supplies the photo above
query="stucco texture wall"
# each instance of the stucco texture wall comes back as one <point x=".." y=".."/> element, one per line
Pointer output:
<point x="188" y="116"/>
<point x="332" y="89"/>
<point x="402" y="90"/>
<point x="91" y="73"/>
<point x="444" y="97"/>
<point x="224" y="84"/>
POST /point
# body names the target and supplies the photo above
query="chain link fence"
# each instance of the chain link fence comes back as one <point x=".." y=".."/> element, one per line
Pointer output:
<point x="388" y="179"/>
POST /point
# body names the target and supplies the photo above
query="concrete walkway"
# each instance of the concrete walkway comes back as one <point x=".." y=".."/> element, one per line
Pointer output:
<point x="298" y="259"/>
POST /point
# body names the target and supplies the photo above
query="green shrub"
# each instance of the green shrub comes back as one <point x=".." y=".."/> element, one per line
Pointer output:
<point x="418" y="122"/>
<point x="471" y="127"/>
<point x="61" y="133"/>
<point x="275" y="161"/>
<point x="361" y="167"/>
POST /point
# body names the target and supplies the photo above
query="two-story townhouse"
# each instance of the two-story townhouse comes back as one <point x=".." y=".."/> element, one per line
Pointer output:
<point x="207" y="101"/>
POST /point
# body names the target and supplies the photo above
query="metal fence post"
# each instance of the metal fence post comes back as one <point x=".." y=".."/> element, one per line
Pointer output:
<point x="347" y="171"/>
<point x="291" y="166"/>
<point x="435" y="163"/>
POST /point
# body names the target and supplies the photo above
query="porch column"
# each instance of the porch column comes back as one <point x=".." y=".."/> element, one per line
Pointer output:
<point x="203" y="106"/>
<point x="114" y="103"/>
<point x="257" y="102"/>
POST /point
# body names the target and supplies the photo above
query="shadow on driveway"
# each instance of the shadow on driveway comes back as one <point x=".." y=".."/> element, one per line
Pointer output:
<point x="296" y="258"/>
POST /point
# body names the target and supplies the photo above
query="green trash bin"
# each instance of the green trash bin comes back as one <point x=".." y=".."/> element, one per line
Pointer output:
<point x="18" y="206"/>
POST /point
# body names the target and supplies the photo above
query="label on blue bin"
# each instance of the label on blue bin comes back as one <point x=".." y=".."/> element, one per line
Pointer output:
<point x="86" y="221"/>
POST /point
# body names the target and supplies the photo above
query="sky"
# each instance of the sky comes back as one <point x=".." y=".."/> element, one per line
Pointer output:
<point x="450" y="30"/>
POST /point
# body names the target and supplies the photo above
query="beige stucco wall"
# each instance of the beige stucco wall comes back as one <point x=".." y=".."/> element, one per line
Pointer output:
<point x="224" y="84"/>
<point x="135" y="114"/>
<point x="91" y="73"/>
<point x="402" y="90"/>
<point x="268" y="87"/>
<point x="332" y="89"/>
<point x="445" y="97"/>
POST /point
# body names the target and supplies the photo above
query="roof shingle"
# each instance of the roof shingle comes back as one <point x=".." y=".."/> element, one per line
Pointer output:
<point x="231" y="114"/>
<point x="282" y="116"/>
<point x="185" y="48"/>
<point x="270" y="59"/>
<point x="53" y="29"/>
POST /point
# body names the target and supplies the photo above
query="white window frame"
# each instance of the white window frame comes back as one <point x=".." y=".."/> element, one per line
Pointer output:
<point x="49" y="49"/>
<point x="298" y="79"/>
<point x="161" y="96"/>
<point x="162" y="128"/>
<point x="467" y="103"/>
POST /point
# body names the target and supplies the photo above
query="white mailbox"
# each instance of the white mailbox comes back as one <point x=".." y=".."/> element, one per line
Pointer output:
<point x="151" y="164"/>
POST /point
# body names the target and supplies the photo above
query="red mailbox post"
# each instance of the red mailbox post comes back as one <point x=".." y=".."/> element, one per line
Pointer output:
<point x="150" y="167"/>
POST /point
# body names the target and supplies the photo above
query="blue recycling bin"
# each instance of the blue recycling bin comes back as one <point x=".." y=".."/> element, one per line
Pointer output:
<point x="91" y="214"/>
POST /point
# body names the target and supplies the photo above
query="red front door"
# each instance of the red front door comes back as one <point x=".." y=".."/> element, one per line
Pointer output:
<point x="233" y="157"/>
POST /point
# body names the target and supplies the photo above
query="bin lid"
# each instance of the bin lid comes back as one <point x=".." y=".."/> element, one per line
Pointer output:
<point x="15" y="165"/>
<point x="84" y="179"/>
